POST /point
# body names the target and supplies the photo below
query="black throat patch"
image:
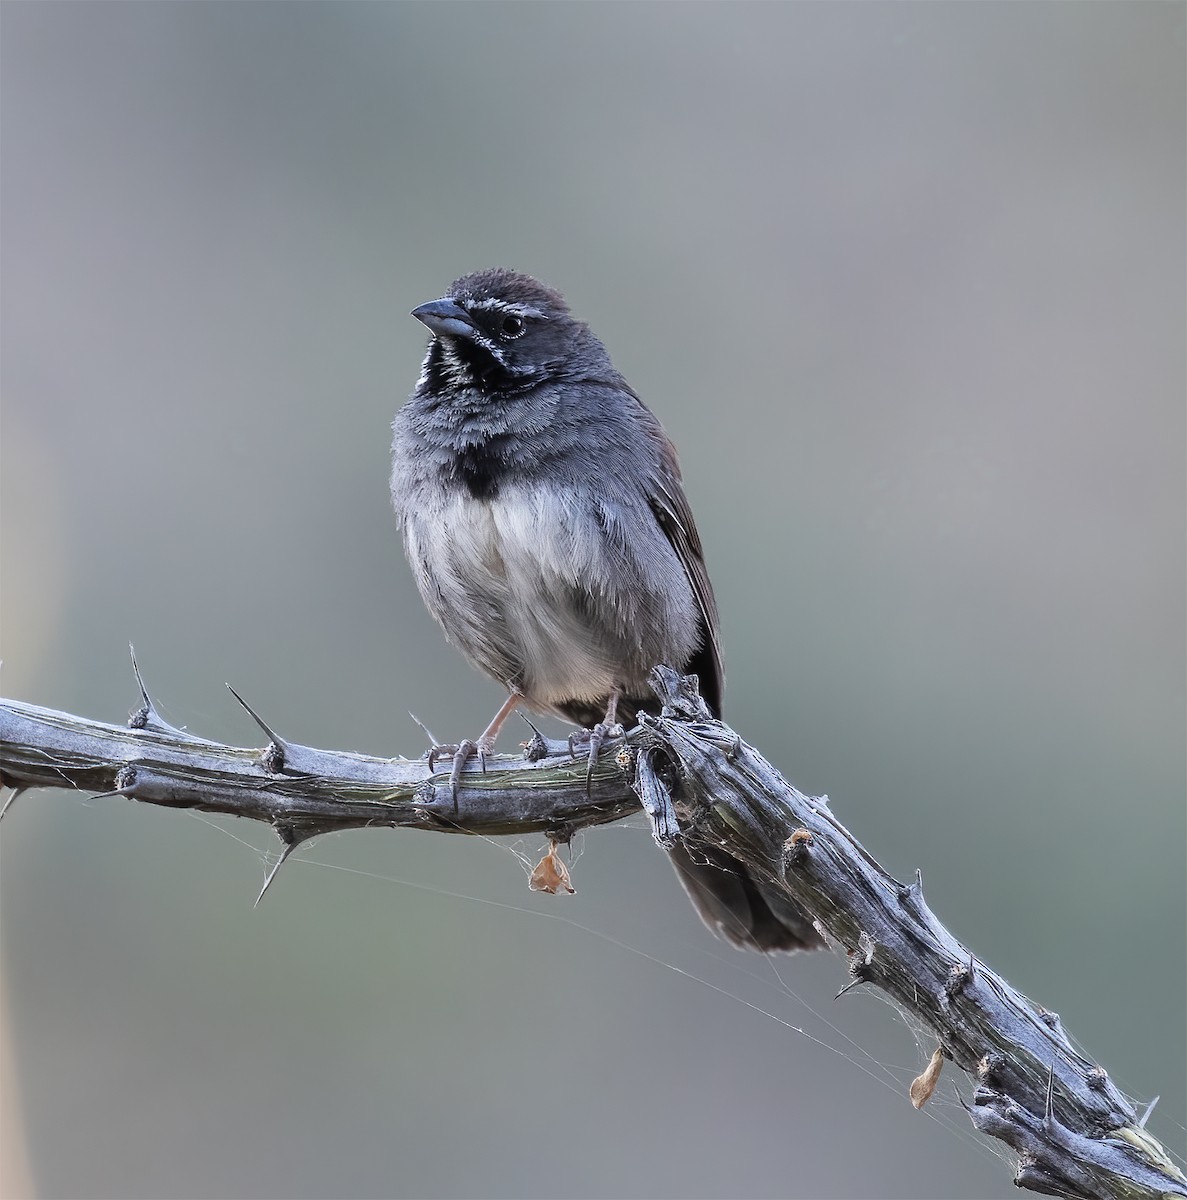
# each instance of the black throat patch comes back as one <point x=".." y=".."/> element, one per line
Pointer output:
<point x="466" y="364"/>
<point x="481" y="469"/>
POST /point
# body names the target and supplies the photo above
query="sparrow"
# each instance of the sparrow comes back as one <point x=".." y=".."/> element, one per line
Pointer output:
<point x="545" y="521"/>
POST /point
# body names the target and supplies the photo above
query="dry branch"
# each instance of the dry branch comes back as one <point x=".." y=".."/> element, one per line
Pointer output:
<point x="1074" y="1132"/>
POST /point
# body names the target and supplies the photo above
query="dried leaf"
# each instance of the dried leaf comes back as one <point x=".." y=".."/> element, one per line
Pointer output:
<point x="550" y="874"/>
<point x="923" y="1085"/>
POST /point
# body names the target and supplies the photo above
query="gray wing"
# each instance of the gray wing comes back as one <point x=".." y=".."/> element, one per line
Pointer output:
<point x="672" y="511"/>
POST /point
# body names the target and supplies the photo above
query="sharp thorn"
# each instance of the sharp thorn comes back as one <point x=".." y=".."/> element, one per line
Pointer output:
<point x="147" y="715"/>
<point x="290" y="843"/>
<point x="1149" y="1109"/>
<point x="536" y="747"/>
<point x="912" y="893"/>
<point x="849" y="987"/>
<point x="140" y="679"/>
<point x="255" y="716"/>
<point x="424" y="729"/>
<point x="16" y="791"/>
<point x="529" y="724"/>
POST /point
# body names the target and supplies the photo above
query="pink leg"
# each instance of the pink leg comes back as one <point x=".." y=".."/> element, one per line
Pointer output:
<point x="464" y="751"/>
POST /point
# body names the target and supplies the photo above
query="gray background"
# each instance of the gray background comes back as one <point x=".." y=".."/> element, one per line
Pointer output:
<point x="906" y="285"/>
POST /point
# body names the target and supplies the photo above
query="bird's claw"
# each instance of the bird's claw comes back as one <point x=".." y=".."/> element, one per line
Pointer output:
<point x="460" y="753"/>
<point x="435" y="754"/>
<point x="596" y="738"/>
<point x="465" y="751"/>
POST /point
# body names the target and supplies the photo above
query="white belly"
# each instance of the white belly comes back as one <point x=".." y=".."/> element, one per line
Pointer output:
<point x="535" y="594"/>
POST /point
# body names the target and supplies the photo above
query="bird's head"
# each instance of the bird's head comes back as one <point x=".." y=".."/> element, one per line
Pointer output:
<point x="502" y="331"/>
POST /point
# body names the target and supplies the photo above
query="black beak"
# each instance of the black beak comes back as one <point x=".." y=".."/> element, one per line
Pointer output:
<point x="445" y="318"/>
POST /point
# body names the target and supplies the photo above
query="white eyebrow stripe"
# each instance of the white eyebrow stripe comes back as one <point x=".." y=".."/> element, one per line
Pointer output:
<point x="505" y="306"/>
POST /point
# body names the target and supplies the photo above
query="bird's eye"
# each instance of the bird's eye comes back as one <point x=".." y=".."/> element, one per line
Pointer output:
<point x="512" y="327"/>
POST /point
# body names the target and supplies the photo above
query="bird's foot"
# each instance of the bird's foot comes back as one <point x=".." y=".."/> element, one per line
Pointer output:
<point x="594" y="739"/>
<point x="464" y="751"/>
<point x="461" y="753"/>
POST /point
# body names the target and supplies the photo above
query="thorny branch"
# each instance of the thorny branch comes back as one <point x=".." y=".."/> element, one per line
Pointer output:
<point x="1075" y="1133"/>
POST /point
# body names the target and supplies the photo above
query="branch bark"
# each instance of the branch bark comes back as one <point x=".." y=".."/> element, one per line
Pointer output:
<point x="1074" y="1132"/>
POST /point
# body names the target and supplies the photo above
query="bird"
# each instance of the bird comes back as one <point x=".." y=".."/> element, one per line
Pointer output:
<point x="545" y="520"/>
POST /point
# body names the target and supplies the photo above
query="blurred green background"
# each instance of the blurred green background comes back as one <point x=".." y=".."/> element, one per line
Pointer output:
<point x="906" y="285"/>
